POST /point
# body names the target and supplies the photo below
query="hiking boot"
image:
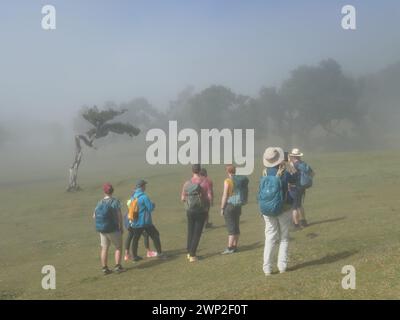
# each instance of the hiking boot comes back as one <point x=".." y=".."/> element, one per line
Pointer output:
<point x="151" y="254"/>
<point x="303" y="223"/>
<point x="118" y="269"/>
<point x="228" y="251"/>
<point x="296" y="227"/>
<point x="208" y="225"/>
<point x="193" y="259"/>
<point x="136" y="259"/>
<point x="106" y="271"/>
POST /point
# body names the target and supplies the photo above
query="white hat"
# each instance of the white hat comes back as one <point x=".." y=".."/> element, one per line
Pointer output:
<point x="273" y="156"/>
<point x="296" y="153"/>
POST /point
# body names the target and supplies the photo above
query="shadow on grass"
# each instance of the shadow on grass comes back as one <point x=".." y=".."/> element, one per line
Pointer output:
<point x="214" y="227"/>
<point x="151" y="262"/>
<point x="326" y="221"/>
<point x="243" y="248"/>
<point x="252" y="246"/>
<point x="330" y="258"/>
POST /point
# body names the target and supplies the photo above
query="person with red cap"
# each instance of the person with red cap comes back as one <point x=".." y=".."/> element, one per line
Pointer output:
<point x="108" y="219"/>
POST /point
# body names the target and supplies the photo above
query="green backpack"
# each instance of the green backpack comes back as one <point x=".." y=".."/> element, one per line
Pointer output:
<point x="194" y="200"/>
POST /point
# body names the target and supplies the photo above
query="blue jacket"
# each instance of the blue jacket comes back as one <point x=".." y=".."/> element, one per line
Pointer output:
<point x="146" y="208"/>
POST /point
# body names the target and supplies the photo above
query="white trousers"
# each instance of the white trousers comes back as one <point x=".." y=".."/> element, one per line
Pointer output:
<point x="276" y="233"/>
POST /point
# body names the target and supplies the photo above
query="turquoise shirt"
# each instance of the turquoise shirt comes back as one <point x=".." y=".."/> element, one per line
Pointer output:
<point x="146" y="208"/>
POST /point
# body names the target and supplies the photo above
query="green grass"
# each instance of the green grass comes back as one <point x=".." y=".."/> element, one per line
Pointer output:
<point x="353" y="210"/>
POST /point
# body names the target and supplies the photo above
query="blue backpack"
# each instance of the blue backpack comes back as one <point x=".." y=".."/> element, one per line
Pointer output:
<point x="306" y="175"/>
<point x="240" y="192"/>
<point x="106" y="217"/>
<point x="270" y="196"/>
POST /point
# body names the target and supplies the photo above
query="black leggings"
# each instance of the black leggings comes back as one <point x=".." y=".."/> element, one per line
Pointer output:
<point x="195" y="229"/>
<point x="152" y="233"/>
<point x="128" y="240"/>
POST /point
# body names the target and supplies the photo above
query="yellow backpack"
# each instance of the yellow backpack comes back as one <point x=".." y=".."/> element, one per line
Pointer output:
<point x="133" y="209"/>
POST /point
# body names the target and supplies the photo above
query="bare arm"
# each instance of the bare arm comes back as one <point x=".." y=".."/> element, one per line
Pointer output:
<point x="211" y="194"/>
<point x="120" y="220"/>
<point x="183" y="193"/>
<point x="224" y="197"/>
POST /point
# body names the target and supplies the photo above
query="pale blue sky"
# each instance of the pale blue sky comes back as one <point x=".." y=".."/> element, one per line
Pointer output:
<point x="118" y="50"/>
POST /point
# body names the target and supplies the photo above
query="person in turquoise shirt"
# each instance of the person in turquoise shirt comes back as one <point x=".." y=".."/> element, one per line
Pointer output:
<point x="144" y="221"/>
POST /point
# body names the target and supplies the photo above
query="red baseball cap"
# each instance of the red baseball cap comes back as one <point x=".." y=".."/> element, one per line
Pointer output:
<point x="108" y="188"/>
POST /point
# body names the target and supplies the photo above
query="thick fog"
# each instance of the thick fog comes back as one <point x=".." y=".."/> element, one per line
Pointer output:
<point x="117" y="51"/>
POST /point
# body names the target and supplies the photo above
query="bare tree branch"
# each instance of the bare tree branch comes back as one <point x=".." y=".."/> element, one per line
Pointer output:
<point x="101" y="129"/>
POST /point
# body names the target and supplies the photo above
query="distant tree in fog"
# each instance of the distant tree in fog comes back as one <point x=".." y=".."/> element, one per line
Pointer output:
<point x="141" y="113"/>
<point x="101" y="126"/>
<point x="273" y="114"/>
<point x="179" y="109"/>
<point x="381" y="90"/>
<point x="210" y="107"/>
<point x="320" y="96"/>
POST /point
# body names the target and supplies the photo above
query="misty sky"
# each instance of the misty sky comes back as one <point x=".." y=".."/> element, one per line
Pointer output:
<point x="119" y="50"/>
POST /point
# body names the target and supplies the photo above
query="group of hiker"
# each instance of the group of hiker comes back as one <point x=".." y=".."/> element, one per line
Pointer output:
<point x="282" y="187"/>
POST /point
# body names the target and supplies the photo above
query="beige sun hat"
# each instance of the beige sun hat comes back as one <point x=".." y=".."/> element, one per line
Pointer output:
<point x="296" y="153"/>
<point x="273" y="156"/>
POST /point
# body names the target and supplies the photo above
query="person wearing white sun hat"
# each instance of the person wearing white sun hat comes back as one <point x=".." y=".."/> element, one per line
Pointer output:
<point x="297" y="190"/>
<point x="296" y="153"/>
<point x="277" y="222"/>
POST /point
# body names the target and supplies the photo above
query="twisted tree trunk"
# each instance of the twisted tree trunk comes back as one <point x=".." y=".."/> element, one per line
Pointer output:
<point x="73" y="170"/>
<point x="100" y="129"/>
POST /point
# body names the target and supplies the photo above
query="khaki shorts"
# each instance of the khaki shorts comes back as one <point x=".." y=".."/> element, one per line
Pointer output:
<point x="107" y="238"/>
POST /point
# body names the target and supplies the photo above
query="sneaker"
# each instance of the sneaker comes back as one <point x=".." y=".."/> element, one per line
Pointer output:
<point x="282" y="271"/>
<point x="136" y="259"/>
<point x="151" y="254"/>
<point x="193" y="259"/>
<point x="118" y="269"/>
<point x="228" y="251"/>
<point x="161" y="255"/>
<point x="106" y="271"/>
<point x="267" y="273"/>
<point x="188" y="256"/>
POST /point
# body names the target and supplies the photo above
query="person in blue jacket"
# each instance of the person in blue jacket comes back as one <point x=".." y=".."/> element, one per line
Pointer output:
<point x="144" y="221"/>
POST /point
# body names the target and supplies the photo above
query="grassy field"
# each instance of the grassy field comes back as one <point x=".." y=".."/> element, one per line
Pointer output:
<point x="353" y="210"/>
